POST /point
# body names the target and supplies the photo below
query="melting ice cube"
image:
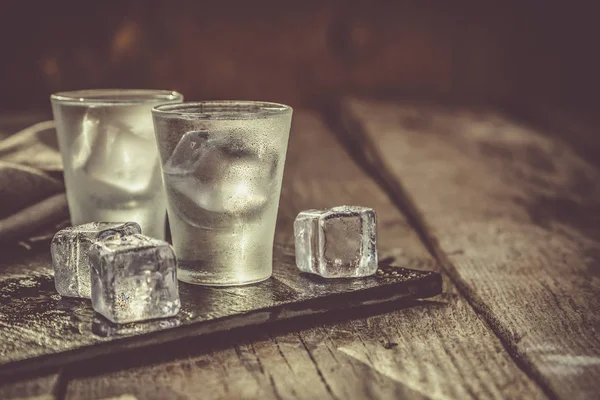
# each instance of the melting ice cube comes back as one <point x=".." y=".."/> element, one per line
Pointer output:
<point x="134" y="279"/>
<point x="336" y="243"/>
<point x="70" y="254"/>
<point x="210" y="174"/>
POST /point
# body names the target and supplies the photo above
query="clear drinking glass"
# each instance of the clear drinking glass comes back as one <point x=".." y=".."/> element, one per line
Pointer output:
<point x="222" y="164"/>
<point x="108" y="147"/>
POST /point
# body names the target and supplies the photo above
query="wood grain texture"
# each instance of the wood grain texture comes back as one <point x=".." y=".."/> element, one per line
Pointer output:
<point x="512" y="214"/>
<point x="432" y="350"/>
<point x="577" y="126"/>
<point x="46" y="386"/>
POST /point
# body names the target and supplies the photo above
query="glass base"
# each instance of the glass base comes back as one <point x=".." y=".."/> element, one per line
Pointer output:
<point x="196" y="277"/>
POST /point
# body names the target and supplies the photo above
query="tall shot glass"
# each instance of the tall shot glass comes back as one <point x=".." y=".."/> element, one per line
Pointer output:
<point x="222" y="164"/>
<point x="108" y="147"/>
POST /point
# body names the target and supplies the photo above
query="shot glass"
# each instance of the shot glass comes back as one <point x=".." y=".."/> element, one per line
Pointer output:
<point x="108" y="147"/>
<point x="222" y="164"/>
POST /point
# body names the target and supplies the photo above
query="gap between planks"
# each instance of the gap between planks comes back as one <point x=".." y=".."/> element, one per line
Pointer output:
<point x="362" y="131"/>
<point x="350" y="133"/>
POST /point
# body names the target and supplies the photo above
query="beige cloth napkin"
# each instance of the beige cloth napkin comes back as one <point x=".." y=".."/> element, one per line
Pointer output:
<point x="32" y="199"/>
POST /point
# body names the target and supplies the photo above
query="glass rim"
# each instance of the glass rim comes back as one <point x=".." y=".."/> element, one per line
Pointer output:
<point x="114" y="97"/>
<point x="221" y="109"/>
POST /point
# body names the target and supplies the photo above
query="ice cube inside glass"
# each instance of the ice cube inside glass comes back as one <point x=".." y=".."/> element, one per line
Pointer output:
<point x="134" y="279"/>
<point x="337" y="243"/>
<point x="70" y="254"/>
<point x="222" y="164"/>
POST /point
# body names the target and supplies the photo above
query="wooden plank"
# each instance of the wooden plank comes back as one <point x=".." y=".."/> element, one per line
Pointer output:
<point x="232" y="372"/>
<point x="252" y="368"/>
<point x="578" y="127"/>
<point x="433" y="350"/>
<point x="513" y="216"/>
<point x="42" y="387"/>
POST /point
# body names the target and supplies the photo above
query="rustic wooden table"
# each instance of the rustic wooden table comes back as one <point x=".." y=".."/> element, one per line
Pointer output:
<point x="508" y="213"/>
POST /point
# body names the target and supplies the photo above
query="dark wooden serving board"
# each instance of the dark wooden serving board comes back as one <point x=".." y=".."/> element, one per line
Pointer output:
<point x="40" y="328"/>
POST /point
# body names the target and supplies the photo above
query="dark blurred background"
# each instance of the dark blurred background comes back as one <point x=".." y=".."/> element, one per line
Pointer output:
<point x="305" y="53"/>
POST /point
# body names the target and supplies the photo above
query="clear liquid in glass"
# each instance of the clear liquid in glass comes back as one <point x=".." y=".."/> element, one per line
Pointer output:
<point x="111" y="166"/>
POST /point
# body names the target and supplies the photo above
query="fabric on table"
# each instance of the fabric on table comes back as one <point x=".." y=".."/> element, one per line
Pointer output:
<point x="32" y="199"/>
